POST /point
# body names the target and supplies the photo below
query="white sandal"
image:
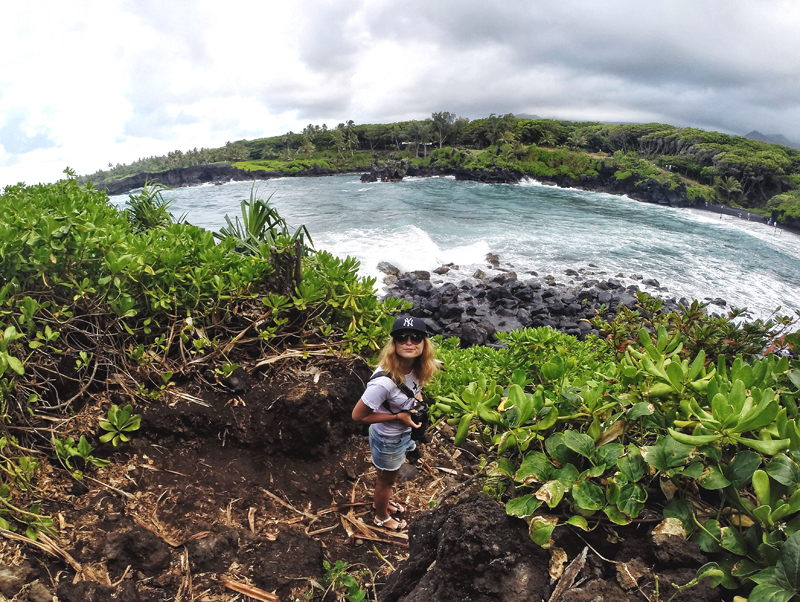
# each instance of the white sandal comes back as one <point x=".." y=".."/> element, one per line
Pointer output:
<point x="401" y="524"/>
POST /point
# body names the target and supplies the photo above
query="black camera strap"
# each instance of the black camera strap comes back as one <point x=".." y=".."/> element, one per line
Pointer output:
<point x="403" y="387"/>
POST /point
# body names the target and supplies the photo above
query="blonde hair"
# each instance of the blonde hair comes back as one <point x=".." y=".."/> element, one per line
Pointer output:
<point x="424" y="368"/>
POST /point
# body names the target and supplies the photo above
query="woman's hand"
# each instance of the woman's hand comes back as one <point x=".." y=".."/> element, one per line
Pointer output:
<point x="406" y="418"/>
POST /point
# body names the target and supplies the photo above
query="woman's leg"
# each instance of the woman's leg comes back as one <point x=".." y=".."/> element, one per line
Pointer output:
<point x="383" y="493"/>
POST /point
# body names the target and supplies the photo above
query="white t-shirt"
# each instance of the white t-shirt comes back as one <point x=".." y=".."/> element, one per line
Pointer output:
<point x="383" y="388"/>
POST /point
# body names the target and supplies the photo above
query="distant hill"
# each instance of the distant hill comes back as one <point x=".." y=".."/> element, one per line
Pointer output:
<point x="526" y="116"/>
<point x="772" y="139"/>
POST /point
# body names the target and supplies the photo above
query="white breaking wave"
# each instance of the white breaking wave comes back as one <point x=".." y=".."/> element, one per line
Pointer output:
<point x="407" y="248"/>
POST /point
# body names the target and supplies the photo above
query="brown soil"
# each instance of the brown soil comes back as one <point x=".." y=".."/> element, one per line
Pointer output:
<point x="261" y="481"/>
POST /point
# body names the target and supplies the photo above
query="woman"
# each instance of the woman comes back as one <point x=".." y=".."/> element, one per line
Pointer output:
<point x="407" y="359"/>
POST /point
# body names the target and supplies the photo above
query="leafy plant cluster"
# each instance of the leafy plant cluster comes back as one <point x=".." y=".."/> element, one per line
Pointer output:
<point x="88" y="291"/>
<point x="591" y="433"/>
<point x="786" y="205"/>
<point x="338" y="578"/>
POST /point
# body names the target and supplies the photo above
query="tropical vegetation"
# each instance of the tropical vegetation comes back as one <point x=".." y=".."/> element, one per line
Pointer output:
<point x="724" y="169"/>
<point x="659" y="413"/>
<point x="690" y="415"/>
<point x="88" y="290"/>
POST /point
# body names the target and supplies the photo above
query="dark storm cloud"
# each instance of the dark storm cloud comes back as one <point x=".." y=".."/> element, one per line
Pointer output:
<point x="14" y="137"/>
<point x="727" y="65"/>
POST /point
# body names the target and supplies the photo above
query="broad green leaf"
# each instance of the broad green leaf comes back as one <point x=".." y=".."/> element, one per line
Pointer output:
<point x="541" y="528"/>
<point x="535" y="464"/>
<point x="579" y="443"/>
<point x="684" y="511"/>
<point x="567" y="475"/>
<point x="522" y="506"/>
<point x="15" y="365"/>
<point x="712" y="478"/>
<point x="784" y="470"/>
<point x="763" y="513"/>
<point x="745" y="568"/>
<point x="554" y="369"/>
<point x="609" y="453"/>
<point x="551" y="493"/>
<point x="511" y="417"/>
<point x="708" y="537"/>
<point x="84" y="448"/>
<point x="588" y="496"/>
<point x="578" y="521"/>
<point x="694" y="470"/>
<point x="733" y="541"/>
<point x="768" y="592"/>
<point x="640" y="409"/>
<point x="744" y="374"/>
<point x="546" y="418"/>
<point x="741" y="469"/>
<point x="615" y="516"/>
<point x="556" y="447"/>
<point x="593" y="472"/>
<point x="667" y="453"/>
<point x="710" y="452"/>
<point x="789" y="561"/>
<point x="631" y="499"/>
<point x="712" y="573"/>
<point x="632" y="465"/>
<point x="503" y="467"/>
<point x="463" y="429"/>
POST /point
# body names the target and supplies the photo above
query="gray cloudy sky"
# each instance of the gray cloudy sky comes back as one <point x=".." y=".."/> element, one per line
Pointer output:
<point x="87" y="83"/>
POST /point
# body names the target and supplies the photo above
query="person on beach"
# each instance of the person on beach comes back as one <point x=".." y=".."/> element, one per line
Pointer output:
<point x="408" y="359"/>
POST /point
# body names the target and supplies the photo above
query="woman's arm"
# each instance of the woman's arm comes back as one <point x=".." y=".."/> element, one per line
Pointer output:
<point x="363" y="413"/>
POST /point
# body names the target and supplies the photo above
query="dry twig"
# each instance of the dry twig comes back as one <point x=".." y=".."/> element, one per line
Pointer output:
<point x="252" y="591"/>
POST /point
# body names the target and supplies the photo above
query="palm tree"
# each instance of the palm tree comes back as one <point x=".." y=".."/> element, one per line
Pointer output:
<point x="308" y="148"/>
<point x="727" y="186"/>
<point x="577" y="140"/>
<point x="548" y="139"/>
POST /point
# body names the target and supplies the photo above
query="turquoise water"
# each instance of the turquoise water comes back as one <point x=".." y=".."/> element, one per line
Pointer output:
<point x="420" y="223"/>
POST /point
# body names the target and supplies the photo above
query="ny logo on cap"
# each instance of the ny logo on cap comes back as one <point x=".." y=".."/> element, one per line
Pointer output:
<point x="409" y="322"/>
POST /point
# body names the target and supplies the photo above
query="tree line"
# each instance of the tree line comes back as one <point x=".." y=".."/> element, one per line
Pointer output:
<point x="739" y="170"/>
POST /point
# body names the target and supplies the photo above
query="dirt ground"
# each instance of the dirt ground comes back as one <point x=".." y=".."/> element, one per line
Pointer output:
<point x="256" y="481"/>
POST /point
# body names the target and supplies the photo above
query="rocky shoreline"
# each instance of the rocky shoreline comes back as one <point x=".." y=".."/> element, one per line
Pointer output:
<point x="476" y="308"/>
<point x="214" y="173"/>
<point x="648" y="191"/>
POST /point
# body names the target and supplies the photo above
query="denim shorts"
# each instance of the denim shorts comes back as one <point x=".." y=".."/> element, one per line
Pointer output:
<point x="389" y="452"/>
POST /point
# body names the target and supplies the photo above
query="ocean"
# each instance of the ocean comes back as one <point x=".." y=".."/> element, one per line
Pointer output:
<point x="421" y="223"/>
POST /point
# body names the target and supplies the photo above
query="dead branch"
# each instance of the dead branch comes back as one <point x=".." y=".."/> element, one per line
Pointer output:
<point x="250" y="590"/>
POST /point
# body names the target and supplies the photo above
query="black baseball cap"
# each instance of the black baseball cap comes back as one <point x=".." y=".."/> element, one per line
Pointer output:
<point x="410" y="323"/>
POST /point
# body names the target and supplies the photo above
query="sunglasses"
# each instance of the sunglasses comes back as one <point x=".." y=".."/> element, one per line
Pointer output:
<point x="402" y="337"/>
